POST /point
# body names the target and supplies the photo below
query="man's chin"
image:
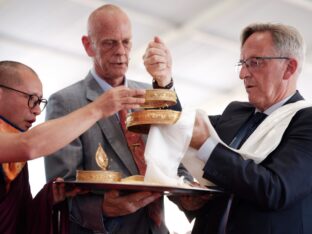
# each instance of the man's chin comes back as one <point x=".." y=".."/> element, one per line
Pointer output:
<point x="27" y="126"/>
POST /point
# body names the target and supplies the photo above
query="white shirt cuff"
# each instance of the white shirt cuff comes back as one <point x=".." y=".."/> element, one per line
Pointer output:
<point x="206" y="149"/>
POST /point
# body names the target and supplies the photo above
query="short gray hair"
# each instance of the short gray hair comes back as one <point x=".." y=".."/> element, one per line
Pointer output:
<point x="287" y="39"/>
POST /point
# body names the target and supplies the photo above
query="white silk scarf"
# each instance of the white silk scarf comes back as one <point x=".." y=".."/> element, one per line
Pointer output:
<point x="167" y="146"/>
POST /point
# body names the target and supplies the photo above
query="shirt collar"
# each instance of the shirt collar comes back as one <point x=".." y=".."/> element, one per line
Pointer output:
<point x="102" y="83"/>
<point x="274" y="107"/>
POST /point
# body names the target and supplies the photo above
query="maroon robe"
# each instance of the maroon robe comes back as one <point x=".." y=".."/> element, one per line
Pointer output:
<point x="20" y="213"/>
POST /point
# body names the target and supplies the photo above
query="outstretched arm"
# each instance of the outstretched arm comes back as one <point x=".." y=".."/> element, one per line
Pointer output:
<point x="54" y="134"/>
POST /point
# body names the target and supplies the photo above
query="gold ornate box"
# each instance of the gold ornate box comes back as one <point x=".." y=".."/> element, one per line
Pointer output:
<point x="157" y="98"/>
<point x="98" y="176"/>
<point x="141" y="120"/>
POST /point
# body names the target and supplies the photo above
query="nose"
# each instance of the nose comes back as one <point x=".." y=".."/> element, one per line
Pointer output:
<point x="36" y="110"/>
<point x="244" y="72"/>
<point x="120" y="48"/>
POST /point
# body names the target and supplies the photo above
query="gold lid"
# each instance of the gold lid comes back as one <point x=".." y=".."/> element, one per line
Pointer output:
<point x="156" y="98"/>
<point x="140" y="121"/>
<point x="98" y="176"/>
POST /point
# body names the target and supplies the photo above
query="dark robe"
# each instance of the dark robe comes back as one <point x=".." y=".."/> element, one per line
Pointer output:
<point x="19" y="212"/>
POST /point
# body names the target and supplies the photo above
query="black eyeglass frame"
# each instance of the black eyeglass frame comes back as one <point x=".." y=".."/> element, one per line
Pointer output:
<point x="242" y="61"/>
<point x="38" y="102"/>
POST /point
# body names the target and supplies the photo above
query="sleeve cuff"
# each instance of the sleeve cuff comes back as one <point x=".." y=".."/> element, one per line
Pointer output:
<point x="206" y="149"/>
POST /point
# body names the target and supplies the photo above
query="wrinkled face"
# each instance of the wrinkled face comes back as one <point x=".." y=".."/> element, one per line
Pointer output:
<point x="110" y="43"/>
<point x="266" y="83"/>
<point x="14" y="105"/>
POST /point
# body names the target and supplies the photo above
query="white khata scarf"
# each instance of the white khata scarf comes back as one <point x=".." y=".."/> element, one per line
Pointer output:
<point x="268" y="134"/>
<point x="167" y="146"/>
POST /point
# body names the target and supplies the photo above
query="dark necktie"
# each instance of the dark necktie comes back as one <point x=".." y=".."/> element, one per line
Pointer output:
<point x="244" y="132"/>
<point x="137" y="146"/>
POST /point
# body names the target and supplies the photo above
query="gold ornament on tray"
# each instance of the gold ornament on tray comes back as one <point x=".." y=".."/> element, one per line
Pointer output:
<point x="99" y="176"/>
<point x="141" y="120"/>
<point x="101" y="158"/>
<point x="104" y="175"/>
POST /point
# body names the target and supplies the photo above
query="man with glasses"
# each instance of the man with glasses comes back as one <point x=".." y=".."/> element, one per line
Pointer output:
<point x="259" y="152"/>
<point x="20" y="92"/>
<point x="33" y="99"/>
<point x="108" y="43"/>
<point x="20" y="103"/>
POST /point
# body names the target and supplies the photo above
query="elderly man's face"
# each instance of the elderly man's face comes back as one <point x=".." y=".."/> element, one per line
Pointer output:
<point x="111" y="42"/>
<point x="14" y="105"/>
<point x="264" y="83"/>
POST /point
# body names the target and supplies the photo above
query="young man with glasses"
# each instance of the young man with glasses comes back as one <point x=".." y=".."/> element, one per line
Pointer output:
<point x="20" y="103"/>
<point x="264" y="167"/>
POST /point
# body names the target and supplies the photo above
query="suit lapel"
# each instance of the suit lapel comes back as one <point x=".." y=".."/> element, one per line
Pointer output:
<point x="111" y="128"/>
<point x="233" y="123"/>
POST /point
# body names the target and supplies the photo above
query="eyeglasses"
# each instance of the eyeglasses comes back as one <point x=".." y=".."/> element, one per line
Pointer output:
<point x="33" y="99"/>
<point x="254" y="63"/>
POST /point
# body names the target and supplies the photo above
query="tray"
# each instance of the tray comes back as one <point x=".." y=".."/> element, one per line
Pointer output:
<point x="166" y="190"/>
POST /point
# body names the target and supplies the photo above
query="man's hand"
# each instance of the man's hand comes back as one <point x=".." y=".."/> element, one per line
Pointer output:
<point x="191" y="203"/>
<point x="119" y="98"/>
<point x="200" y="132"/>
<point x="158" y="62"/>
<point x="115" y="205"/>
<point x="60" y="194"/>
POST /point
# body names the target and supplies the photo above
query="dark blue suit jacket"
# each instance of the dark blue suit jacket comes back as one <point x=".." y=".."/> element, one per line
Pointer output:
<point x="272" y="197"/>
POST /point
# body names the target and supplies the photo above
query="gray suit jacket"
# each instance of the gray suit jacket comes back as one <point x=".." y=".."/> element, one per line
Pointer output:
<point x="85" y="210"/>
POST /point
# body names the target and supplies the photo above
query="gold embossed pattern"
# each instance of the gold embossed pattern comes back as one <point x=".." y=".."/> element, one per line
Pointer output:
<point x="140" y="121"/>
<point x="98" y="176"/>
<point x="157" y="98"/>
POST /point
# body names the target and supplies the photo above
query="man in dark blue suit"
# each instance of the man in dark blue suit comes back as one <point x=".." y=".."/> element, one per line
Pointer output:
<point x="274" y="195"/>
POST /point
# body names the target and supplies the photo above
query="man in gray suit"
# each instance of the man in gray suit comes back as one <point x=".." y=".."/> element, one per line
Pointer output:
<point x="108" y="43"/>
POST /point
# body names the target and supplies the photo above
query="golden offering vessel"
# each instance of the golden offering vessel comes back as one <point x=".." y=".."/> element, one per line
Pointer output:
<point x="104" y="175"/>
<point x="157" y="98"/>
<point x="99" y="176"/>
<point x="141" y="120"/>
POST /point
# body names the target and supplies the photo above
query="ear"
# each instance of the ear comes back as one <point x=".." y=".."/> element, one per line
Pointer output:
<point x="87" y="44"/>
<point x="291" y="68"/>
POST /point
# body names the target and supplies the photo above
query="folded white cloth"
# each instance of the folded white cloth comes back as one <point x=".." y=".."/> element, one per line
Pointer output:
<point x="165" y="148"/>
<point x="259" y="144"/>
<point x="168" y="145"/>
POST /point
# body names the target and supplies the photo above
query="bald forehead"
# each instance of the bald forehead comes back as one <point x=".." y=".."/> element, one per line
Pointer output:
<point x="107" y="16"/>
<point x="12" y="73"/>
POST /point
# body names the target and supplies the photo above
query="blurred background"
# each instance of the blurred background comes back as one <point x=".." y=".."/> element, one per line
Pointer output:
<point x="203" y="36"/>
